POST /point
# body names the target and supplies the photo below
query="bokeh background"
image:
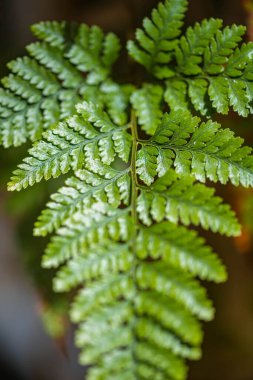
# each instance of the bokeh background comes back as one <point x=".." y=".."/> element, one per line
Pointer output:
<point x="27" y="352"/>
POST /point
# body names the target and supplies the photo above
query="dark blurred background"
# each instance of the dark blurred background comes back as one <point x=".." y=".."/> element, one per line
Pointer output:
<point x="26" y="351"/>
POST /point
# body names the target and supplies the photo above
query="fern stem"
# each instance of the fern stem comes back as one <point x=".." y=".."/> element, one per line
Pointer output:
<point x="133" y="165"/>
<point x="134" y="193"/>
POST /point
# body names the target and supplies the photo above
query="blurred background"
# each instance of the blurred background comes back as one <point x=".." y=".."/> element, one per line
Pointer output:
<point x="27" y="352"/>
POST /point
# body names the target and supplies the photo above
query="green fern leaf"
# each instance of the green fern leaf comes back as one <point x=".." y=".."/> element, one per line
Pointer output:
<point x="119" y="238"/>
<point x="21" y="88"/>
<point x="179" y="286"/>
<point x="218" y="94"/>
<point x="82" y="191"/>
<point x="216" y="55"/>
<point x="64" y="147"/>
<point x="205" y="151"/>
<point x="197" y="93"/>
<point x="101" y="294"/>
<point x="177" y="319"/>
<point x="192" y="45"/>
<point x="93" y="53"/>
<point x="183" y="200"/>
<point x="182" y="249"/>
<point x="97" y="263"/>
<point x="116" y="99"/>
<point x="146" y="103"/>
<point x="164" y="339"/>
<point x="121" y="222"/>
<point x="214" y="74"/>
<point x="52" y="32"/>
<point x="176" y="94"/>
<point x="157" y="39"/>
<point x="239" y="60"/>
<point x="53" y="59"/>
<point x="51" y="82"/>
<point x="31" y="71"/>
<point x="83" y="229"/>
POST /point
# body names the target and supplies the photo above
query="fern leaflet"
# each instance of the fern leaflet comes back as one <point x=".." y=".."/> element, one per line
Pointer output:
<point x="157" y="39"/>
<point x="45" y="87"/>
<point x="205" y="151"/>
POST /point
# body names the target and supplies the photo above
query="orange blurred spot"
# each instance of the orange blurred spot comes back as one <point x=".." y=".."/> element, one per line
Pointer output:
<point x="243" y="242"/>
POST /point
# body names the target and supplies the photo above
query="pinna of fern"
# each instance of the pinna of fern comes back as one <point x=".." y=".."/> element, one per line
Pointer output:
<point x="70" y="62"/>
<point x="116" y="231"/>
<point x="136" y="161"/>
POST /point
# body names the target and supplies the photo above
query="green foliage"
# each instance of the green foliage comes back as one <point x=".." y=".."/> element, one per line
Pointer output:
<point x="45" y="87"/>
<point x="219" y="72"/>
<point x="86" y="136"/>
<point x="81" y="191"/>
<point x="211" y="71"/>
<point x="146" y="102"/>
<point x="121" y="222"/>
<point x="120" y="237"/>
<point x="205" y="151"/>
<point x="52" y="32"/>
<point x="180" y="199"/>
<point x="158" y="38"/>
<point x="94" y="53"/>
<point x="193" y="44"/>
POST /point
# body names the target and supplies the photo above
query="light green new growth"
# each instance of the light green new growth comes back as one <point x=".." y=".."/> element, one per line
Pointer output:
<point x="134" y="158"/>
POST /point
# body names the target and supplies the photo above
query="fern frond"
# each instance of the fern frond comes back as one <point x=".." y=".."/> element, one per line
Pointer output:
<point x="217" y="53"/>
<point x="158" y="38"/>
<point x="215" y="72"/>
<point x="170" y="314"/>
<point x="239" y="60"/>
<point x="52" y="32"/>
<point x="176" y="94"/>
<point x="54" y="60"/>
<point x="66" y="146"/>
<point x="37" y="75"/>
<point x="164" y="339"/>
<point x="205" y="151"/>
<point x="98" y="263"/>
<point x="159" y="362"/>
<point x="235" y="86"/>
<point x="147" y="104"/>
<point x="21" y="88"/>
<point x="178" y="285"/>
<point x="95" y="300"/>
<point x="182" y="249"/>
<point x="51" y="81"/>
<point x="94" y="53"/>
<point x="116" y="99"/>
<point x="180" y="199"/>
<point x="82" y="191"/>
<point x="104" y="293"/>
<point x="121" y="222"/>
<point x="118" y="237"/>
<point x="96" y="225"/>
<point x="192" y="45"/>
<point x="211" y="71"/>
